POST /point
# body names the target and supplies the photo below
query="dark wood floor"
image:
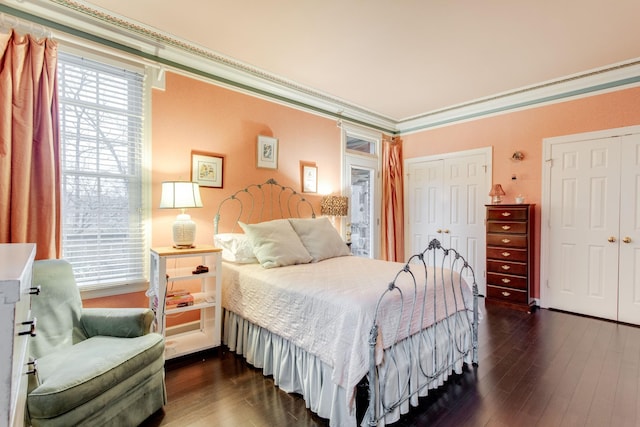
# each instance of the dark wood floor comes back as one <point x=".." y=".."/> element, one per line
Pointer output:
<point x="542" y="369"/>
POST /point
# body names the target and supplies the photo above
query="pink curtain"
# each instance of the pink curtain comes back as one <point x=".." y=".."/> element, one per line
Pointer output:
<point x="29" y="143"/>
<point x="392" y="200"/>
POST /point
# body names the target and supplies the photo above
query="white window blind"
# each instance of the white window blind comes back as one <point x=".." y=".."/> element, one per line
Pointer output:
<point x="101" y="125"/>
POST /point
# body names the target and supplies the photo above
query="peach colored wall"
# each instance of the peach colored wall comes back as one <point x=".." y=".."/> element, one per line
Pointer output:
<point x="524" y="131"/>
<point x="193" y="115"/>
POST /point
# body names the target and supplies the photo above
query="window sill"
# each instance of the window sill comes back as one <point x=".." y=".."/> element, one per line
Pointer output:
<point x="107" y="291"/>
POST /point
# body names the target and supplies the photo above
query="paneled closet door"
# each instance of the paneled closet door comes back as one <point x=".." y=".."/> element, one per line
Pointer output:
<point x="424" y="200"/>
<point x="629" y="275"/>
<point x="584" y="223"/>
<point x="594" y="242"/>
<point x="445" y="201"/>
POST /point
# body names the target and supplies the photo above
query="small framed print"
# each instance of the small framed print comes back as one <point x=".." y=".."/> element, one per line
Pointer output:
<point x="309" y="177"/>
<point x="206" y="169"/>
<point x="267" y="153"/>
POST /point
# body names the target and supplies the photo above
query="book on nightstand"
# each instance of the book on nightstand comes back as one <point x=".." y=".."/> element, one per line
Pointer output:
<point x="178" y="298"/>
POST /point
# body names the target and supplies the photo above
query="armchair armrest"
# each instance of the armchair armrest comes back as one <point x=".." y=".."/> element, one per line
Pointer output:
<point x="116" y="322"/>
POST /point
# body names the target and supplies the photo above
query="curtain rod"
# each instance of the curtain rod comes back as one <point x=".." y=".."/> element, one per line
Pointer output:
<point x="12" y="22"/>
<point x="25" y="26"/>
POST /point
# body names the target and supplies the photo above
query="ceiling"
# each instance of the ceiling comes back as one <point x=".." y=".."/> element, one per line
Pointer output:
<point x="400" y="59"/>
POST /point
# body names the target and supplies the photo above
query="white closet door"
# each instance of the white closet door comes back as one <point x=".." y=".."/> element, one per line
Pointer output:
<point x="445" y="201"/>
<point x="584" y="227"/>
<point x="464" y="211"/>
<point x="629" y="287"/>
<point x="424" y="204"/>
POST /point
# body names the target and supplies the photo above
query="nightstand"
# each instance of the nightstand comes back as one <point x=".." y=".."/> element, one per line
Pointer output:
<point x="178" y="288"/>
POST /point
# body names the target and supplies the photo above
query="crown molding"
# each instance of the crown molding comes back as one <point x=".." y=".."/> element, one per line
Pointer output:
<point x="588" y="83"/>
<point x="108" y="31"/>
<point x="105" y="29"/>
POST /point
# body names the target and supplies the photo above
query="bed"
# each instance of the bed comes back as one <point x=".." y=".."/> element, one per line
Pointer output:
<point x="326" y="324"/>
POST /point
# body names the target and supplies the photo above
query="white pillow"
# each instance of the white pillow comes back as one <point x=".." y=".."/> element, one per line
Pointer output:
<point x="275" y="243"/>
<point x="236" y="247"/>
<point x="320" y="238"/>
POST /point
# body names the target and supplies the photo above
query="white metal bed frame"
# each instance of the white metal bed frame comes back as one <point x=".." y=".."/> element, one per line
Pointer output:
<point x="270" y="200"/>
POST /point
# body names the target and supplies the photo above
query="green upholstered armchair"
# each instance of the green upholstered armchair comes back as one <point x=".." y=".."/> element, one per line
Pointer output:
<point x="94" y="366"/>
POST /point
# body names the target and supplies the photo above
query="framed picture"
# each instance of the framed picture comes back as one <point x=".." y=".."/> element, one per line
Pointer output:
<point x="267" y="152"/>
<point x="309" y="177"/>
<point x="206" y="169"/>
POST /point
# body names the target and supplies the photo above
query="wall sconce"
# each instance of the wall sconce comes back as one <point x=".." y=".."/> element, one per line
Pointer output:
<point x="496" y="193"/>
<point x="517" y="156"/>
<point x="181" y="195"/>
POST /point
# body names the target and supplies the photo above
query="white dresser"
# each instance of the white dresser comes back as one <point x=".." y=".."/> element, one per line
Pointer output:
<point x="16" y="265"/>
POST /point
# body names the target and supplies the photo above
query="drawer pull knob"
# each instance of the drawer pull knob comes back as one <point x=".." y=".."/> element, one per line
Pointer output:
<point x="505" y="254"/>
<point x="506" y="280"/>
<point x="627" y="239"/>
<point x="34" y="367"/>
<point x="32" y="328"/>
<point x="611" y="239"/>
<point x="506" y="227"/>
<point x="506" y="267"/>
<point x="506" y="213"/>
<point x="35" y="290"/>
<point x="439" y="231"/>
<point x="506" y="294"/>
<point x="506" y="240"/>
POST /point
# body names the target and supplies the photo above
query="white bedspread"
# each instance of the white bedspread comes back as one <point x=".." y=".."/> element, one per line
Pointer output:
<point x="327" y="308"/>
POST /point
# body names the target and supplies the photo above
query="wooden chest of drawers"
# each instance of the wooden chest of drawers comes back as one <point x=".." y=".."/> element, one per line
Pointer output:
<point x="510" y="252"/>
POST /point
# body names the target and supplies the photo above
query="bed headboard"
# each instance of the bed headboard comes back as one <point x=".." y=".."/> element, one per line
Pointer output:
<point x="261" y="202"/>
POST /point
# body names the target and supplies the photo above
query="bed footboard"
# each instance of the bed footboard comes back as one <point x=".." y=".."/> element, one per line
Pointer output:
<point x="425" y="357"/>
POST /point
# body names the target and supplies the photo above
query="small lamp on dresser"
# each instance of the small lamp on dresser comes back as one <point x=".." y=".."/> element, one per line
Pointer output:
<point x="496" y="194"/>
<point x="181" y="195"/>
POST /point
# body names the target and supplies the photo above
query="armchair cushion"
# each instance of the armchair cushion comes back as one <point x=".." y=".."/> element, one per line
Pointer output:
<point x="80" y="373"/>
<point x="116" y="322"/>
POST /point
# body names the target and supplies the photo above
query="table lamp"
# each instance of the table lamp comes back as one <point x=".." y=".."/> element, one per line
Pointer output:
<point x="334" y="206"/>
<point x="496" y="193"/>
<point x="181" y="195"/>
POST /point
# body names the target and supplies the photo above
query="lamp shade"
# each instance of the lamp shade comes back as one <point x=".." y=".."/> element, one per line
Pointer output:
<point x="334" y="205"/>
<point x="180" y="195"/>
<point x="496" y="193"/>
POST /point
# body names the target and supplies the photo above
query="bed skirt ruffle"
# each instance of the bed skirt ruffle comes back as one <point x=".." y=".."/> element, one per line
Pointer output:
<point x="296" y="371"/>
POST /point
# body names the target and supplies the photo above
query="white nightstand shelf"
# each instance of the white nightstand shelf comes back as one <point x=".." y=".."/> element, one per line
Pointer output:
<point x="173" y="269"/>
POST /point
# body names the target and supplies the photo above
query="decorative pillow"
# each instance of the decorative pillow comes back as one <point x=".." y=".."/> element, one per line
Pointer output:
<point x="236" y="247"/>
<point x="275" y="243"/>
<point x="320" y="238"/>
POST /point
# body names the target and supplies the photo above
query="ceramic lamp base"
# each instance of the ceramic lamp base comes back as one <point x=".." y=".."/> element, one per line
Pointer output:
<point x="184" y="232"/>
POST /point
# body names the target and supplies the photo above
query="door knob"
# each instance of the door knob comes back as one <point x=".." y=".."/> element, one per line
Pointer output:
<point x="446" y="231"/>
<point x="611" y="239"/>
<point x="438" y="231"/>
<point x="627" y="239"/>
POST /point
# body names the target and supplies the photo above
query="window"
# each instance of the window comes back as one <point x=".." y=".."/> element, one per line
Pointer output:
<point x="101" y="150"/>
<point x="361" y="177"/>
<point x="360" y="145"/>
